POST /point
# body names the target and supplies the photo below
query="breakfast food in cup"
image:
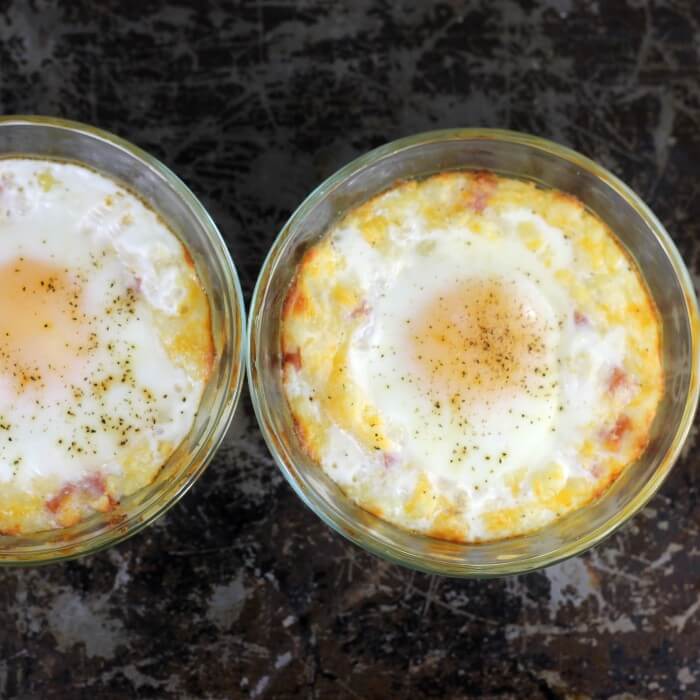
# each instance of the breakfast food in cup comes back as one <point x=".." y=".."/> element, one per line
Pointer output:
<point x="105" y="344"/>
<point x="471" y="356"/>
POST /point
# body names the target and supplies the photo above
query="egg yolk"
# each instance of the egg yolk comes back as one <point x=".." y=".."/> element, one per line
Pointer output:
<point x="478" y="339"/>
<point x="41" y="333"/>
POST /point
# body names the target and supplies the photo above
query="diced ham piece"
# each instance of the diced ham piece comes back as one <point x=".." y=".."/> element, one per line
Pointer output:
<point x="614" y="436"/>
<point x="390" y="459"/>
<point x="482" y="188"/>
<point x="94" y="486"/>
<point x="359" y="311"/>
<point x="618" y="380"/>
<point x="292" y="358"/>
<point x="54" y="504"/>
<point x="597" y="470"/>
<point x="478" y="204"/>
<point x="580" y="319"/>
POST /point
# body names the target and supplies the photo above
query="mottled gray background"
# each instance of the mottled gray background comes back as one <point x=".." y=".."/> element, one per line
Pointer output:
<point x="240" y="591"/>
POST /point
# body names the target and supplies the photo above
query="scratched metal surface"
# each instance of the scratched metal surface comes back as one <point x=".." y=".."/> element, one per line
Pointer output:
<point x="240" y="591"/>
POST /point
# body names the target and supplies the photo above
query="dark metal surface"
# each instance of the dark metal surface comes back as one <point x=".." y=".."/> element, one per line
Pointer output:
<point x="240" y="591"/>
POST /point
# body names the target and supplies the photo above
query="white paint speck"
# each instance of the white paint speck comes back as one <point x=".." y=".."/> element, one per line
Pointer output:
<point x="76" y="621"/>
<point x="122" y="576"/>
<point x="572" y="582"/>
<point x="685" y="676"/>
<point x="283" y="660"/>
<point x="680" y="621"/>
<point x="260" y="687"/>
<point x="227" y="602"/>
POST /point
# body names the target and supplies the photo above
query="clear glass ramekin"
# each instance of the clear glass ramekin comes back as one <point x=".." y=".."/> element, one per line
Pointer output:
<point x="517" y="155"/>
<point x="71" y="141"/>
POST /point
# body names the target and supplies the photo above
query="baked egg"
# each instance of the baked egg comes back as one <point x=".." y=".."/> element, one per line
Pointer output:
<point x="471" y="356"/>
<point x="105" y="343"/>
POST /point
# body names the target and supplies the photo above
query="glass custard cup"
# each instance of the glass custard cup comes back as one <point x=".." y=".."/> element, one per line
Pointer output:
<point x="515" y="155"/>
<point x="48" y="138"/>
